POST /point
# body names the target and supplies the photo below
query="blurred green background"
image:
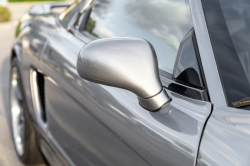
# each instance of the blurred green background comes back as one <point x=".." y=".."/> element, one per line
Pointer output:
<point x="32" y="0"/>
<point x="5" y="14"/>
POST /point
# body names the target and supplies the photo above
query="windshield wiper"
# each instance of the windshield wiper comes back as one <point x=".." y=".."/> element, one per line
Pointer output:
<point x="242" y="102"/>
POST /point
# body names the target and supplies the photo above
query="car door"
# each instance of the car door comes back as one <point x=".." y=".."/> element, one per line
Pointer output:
<point x="93" y="124"/>
<point x="226" y="136"/>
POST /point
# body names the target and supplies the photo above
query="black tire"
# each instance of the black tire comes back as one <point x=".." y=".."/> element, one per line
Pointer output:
<point x="31" y="154"/>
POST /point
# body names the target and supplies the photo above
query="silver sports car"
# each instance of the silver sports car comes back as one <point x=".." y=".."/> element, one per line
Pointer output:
<point x="132" y="82"/>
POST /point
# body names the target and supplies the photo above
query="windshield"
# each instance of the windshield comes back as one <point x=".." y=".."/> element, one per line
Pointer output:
<point x="228" y="24"/>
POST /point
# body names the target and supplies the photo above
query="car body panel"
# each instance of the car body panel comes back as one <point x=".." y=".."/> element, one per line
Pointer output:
<point x="100" y="125"/>
<point x="226" y="138"/>
<point x="85" y="118"/>
<point x="33" y="32"/>
<point x="30" y="44"/>
<point x="81" y="136"/>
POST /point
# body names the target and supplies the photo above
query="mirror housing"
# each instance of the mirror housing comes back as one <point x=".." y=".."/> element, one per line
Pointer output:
<point x="127" y="63"/>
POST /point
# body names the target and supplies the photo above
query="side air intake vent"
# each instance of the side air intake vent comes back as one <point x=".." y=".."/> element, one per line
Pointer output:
<point x="40" y="84"/>
<point x="38" y="96"/>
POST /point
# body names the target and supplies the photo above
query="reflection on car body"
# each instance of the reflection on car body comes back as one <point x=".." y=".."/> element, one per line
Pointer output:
<point x="152" y="82"/>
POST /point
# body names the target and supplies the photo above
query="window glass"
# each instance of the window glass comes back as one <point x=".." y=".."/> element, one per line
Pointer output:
<point x="66" y="16"/>
<point x="187" y="70"/>
<point x="163" y="23"/>
<point x="229" y="28"/>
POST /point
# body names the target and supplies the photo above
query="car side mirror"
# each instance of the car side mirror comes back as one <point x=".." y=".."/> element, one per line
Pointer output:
<point x="127" y="63"/>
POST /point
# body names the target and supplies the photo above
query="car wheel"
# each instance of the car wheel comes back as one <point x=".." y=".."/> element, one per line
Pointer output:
<point x="23" y="133"/>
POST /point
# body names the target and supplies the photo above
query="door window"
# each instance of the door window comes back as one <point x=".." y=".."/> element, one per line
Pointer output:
<point x="163" y="23"/>
<point x="230" y="37"/>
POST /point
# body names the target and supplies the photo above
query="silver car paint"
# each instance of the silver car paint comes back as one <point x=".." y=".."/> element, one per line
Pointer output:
<point x="226" y="138"/>
<point x="128" y="63"/>
<point x="92" y="118"/>
<point x="30" y="44"/>
<point x="168" y="137"/>
<point x="28" y="48"/>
